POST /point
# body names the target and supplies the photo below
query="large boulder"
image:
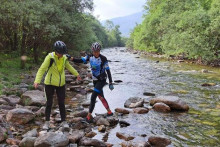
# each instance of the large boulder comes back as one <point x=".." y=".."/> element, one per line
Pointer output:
<point x="34" y="98"/>
<point x="172" y="101"/>
<point x="52" y="139"/>
<point x="20" y="116"/>
<point x="134" y="102"/>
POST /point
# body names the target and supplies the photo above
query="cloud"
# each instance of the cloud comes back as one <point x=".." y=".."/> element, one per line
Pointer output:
<point x="107" y="9"/>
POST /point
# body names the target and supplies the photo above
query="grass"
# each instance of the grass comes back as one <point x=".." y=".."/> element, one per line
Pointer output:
<point x="10" y="71"/>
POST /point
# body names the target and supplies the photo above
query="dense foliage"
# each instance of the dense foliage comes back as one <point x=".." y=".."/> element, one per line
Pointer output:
<point x="190" y="28"/>
<point x="30" y="27"/>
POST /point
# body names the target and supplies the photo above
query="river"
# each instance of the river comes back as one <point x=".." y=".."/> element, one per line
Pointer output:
<point x="200" y="126"/>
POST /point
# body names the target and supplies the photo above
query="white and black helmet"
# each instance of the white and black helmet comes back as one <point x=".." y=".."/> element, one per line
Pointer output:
<point x="60" y="47"/>
<point x="96" y="46"/>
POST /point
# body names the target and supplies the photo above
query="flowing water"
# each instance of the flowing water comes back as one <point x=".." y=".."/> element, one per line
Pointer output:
<point x="200" y="126"/>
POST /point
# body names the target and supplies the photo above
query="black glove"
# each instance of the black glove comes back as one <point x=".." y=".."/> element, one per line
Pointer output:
<point x="68" y="56"/>
<point x="111" y="87"/>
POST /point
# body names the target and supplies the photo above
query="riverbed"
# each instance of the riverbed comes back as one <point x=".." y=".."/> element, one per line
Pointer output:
<point x="200" y="126"/>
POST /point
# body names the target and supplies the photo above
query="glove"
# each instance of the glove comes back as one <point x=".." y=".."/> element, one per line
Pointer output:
<point x="68" y="56"/>
<point x="111" y="87"/>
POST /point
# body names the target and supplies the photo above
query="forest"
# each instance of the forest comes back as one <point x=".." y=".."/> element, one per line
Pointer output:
<point x="186" y="28"/>
<point x="30" y="28"/>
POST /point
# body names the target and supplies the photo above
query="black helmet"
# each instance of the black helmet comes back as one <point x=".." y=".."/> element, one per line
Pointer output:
<point x="96" y="46"/>
<point x="60" y="47"/>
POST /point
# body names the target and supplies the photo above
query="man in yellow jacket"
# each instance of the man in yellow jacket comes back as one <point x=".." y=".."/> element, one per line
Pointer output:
<point x="54" y="64"/>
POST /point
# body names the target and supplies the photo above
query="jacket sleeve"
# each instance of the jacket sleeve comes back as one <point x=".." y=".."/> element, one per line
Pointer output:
<point x="71" y="69"/>
<point x="43" y="68"/>
<point x="82" y="60"/>
<point x="107" y="68"/>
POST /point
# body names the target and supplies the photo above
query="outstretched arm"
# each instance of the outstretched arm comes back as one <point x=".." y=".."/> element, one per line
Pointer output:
<point x="82" y="60"/>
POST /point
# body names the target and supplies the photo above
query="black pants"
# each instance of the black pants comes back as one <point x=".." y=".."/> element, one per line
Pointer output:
<point x="60" y="91"/>
<point x="98" y="86"/>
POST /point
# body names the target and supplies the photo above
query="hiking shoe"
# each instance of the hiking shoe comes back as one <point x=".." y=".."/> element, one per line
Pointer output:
<point x="64" y="124"/>
<point x="109" y="114"/>
<point x="46" y="125"/>
<point x="86" y="120"/>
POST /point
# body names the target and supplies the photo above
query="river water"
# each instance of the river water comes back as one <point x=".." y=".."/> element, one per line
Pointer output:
<point x="200" y="126"/>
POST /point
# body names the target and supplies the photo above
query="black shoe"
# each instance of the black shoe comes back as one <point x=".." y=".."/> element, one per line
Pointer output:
<point x="86" y="120"/>
<point x="109" y="114"/>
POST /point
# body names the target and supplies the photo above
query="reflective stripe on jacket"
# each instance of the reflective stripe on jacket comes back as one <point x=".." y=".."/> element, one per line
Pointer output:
<point x="56" y="74"/>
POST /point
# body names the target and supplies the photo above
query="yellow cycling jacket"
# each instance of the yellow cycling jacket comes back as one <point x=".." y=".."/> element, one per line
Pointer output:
<point x="56" y="74"/>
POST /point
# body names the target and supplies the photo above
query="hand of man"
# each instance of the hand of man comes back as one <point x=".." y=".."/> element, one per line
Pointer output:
<point x="79" y="78"/>
<point x="69" y="57"/>
<point x="35" y="85"/>
<point x="111" y="87"/>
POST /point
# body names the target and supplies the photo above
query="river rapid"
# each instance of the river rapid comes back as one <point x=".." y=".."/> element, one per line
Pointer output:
<point x="200" y="126"/>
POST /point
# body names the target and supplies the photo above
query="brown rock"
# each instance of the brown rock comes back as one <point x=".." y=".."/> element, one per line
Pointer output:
<point x="141" y="110"/>
<point x="161" y="107"/>
<point x="159" y="141"/>
<point x="124" y="136"/>
<point x="121" y="110"/>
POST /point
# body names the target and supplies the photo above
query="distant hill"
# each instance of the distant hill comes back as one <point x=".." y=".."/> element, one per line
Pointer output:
<point x="127" y="23"/>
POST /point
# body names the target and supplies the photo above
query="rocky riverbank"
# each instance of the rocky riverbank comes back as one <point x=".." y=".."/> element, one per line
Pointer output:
<point x="22" y="116"/>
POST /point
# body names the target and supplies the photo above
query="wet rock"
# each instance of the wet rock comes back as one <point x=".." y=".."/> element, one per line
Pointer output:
<point x="141" y="110"/>
<point x="148" y="94"/>
<point x="118" y="81"/>
<point x="91" y="134"/>
<point x="159" y="141"/>
<point x="208" y="84"/>
<point x="161" y="107"/>
<point x="172" y="101"/>
<point x="86" y="104"/>
<point x="81" y="114"/>
<point x="34" y="98"/>
<point x="124" y="136"/>
<point x="91" y="142"/>
<point x="112" y="121"/>
<point x="13" y="141"/>
<point x="27" y="142"/>
<point x="20" y="116"/>
<point x="3" y="133"/>
<point x="123" y="123"/>
<point x="32" y="133"/>
<point x="76" y="136"/>
<point x="80" y="125"/>
<point x="52" y="139"/>
<point x="133" y="144"/>
<point x="76" y="119"/>
<point x="102" y="128"/>
<point x="102" y="121"/>
<point x="134" y="102"/>
<point x="122" y="110"/>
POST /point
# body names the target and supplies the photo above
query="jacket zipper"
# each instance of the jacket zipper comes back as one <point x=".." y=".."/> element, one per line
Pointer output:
<point x="50" y="78"/>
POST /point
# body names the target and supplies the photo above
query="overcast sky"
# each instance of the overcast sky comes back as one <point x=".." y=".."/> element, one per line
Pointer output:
<point x="107" y="9"/>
